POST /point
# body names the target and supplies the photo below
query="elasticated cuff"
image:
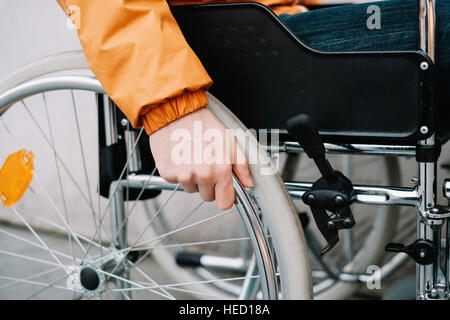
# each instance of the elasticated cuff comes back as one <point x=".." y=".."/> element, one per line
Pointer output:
<point x="173" y="109"/>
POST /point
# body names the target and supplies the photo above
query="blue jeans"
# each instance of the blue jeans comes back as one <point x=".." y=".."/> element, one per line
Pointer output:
<point x="344" y="28"/>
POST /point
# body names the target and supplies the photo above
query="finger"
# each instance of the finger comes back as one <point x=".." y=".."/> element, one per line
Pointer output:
<point x="240" y="168"/>
<point x="190" y="187"/>
<point x="224" y="192"/>
<point x="187" y="182"/>
<point x="207" y="192"/>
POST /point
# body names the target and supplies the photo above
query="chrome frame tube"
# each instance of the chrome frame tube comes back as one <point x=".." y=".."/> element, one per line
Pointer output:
<point x="110" y="120"/>
<point x="427" y="276"/>
<point x="119" y="229"/>
<point x="352" y="149"/>
<point x="117" y="216"/>
<point x="223" y="263"/>
<point x="427" y="24"/>
<point x="373" y="195"/>
<point x="133" y="151"/>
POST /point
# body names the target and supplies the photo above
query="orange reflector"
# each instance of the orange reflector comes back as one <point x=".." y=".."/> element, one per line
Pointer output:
<point x="15" y="176"/>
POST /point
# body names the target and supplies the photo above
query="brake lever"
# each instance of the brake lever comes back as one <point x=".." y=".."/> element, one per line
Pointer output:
<point x="333" y="192"/>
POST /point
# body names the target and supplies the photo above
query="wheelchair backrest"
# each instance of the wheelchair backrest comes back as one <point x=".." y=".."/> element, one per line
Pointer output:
<point x="265" y="75"/>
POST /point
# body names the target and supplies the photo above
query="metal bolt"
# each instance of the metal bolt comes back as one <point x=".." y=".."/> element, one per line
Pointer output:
<point x="434" y="293"/>
<point x="424" y="130"/>
<point x="347" y="223"/>
<point x="124" y="122"/>
<point x="331" y="225"/>
<point x="414" y="180"/>
<point x="424" y="66"/>
<point x="434" y="210"/>
<point x="311" y="198"/>
<point x="446" y="188"/>
<point x="338" y="200"/>
<point x="422" y="253"/>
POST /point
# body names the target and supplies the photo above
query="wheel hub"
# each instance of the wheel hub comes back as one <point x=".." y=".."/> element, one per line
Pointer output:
<point x="87" y="280"/>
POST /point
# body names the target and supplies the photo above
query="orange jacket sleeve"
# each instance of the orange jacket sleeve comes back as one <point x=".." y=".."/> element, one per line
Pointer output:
<point x="138" y="53"/>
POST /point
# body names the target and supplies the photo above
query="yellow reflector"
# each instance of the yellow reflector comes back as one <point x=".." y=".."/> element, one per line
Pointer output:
<point x="15" y="176"/>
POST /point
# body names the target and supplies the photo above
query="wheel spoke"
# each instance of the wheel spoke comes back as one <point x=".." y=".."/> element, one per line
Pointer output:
<point x="186" y="227"/>
<point x="59" y="227"/>
<point x="46" y="191"/>
<point x="63" y="197"/>
<point x="51" y="285"/>
<point x="56" y="153"/>
<point x="47" y="285"/>
<point x="124" y="222"/>
<point x="86" y="177"/>
<point x="17" y="255"/>
<point x="133" y="283"/>
<point x="146" y="276"/>
<point x="34" y="276"/>
<point x="143" y="232"/>
<point x="115" y="189"/>
<point x="188" y="244"/>
<point x="167" y="286"/>
<point x="39" y="238"/>
<point x="35" y="244"/>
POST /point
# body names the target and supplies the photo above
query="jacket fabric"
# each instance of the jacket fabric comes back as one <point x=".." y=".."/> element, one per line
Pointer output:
<point x="137" y="51"/>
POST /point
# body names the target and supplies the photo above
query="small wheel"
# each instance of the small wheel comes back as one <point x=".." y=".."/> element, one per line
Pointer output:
<point x="63" y="199"/>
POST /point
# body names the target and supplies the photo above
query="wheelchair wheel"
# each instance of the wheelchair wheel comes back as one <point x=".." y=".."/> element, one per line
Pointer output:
<point x="379" y="230"/>
<point x="379" y="226"/>
<point x="357" y="250"/>
<point x="60" y="227"/>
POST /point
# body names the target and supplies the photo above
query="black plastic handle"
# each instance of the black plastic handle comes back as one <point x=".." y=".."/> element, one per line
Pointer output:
<point x="188" y="259"/>
<point x="304" y="130"/>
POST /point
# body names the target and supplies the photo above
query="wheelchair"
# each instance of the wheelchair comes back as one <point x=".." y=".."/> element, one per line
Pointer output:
<point x="377" y="104"/>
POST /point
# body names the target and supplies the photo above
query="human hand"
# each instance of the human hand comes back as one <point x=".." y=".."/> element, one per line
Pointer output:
<point x="199" y="153"/>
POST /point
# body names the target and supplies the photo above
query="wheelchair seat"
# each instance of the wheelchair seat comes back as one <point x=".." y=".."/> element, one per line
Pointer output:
<point x="265" y="75"/>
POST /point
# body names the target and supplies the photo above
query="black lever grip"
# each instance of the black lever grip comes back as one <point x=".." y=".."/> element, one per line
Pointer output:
<point x="304" y="130"/>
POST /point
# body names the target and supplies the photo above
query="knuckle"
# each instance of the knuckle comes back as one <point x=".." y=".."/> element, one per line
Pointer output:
<point x="170" y="178"/>
<point x="224" y="171"/>
<point x="205" y="177"/>
<point x="185" y="178"/>
<point x="167" y="175"/>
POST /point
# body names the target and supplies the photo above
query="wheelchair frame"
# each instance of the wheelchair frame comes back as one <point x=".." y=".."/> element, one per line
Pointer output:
<point x="431" y="281"/>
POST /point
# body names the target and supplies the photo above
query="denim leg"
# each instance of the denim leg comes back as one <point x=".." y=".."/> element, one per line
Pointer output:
<point x="344" y="28"/>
